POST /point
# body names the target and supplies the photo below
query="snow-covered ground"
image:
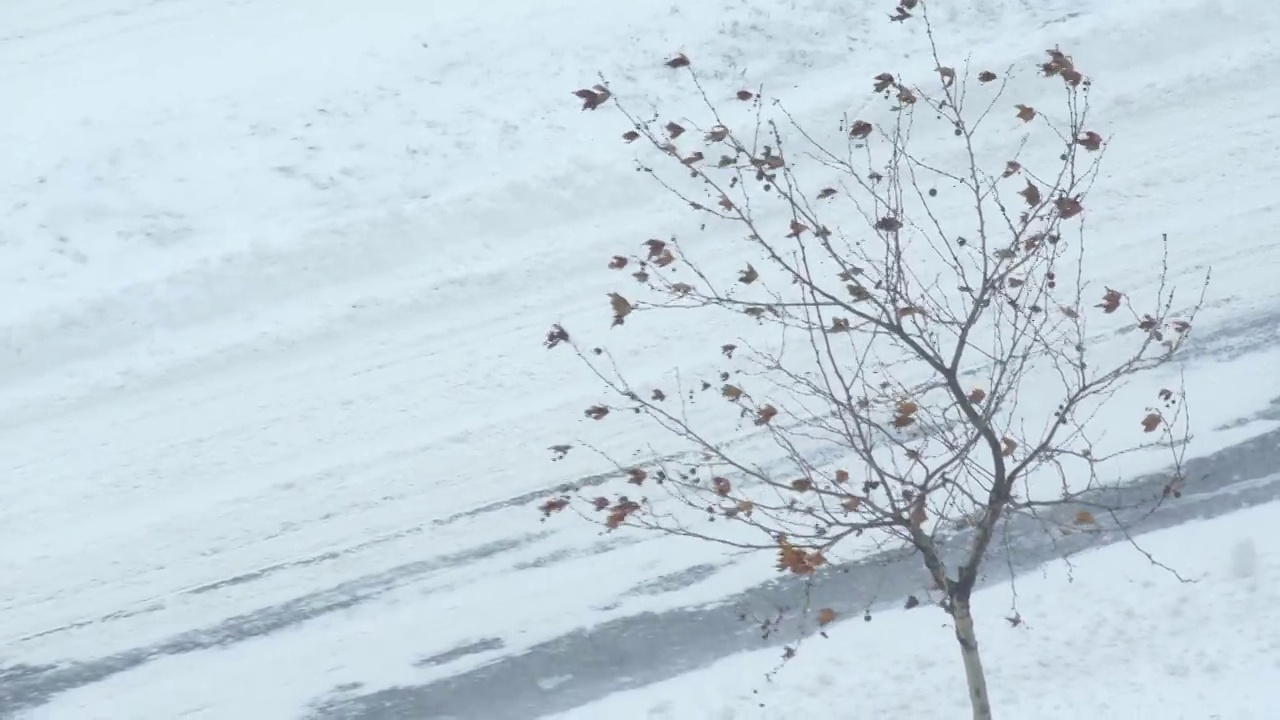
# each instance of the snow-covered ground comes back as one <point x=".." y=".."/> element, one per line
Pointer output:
<point x="1109" y="635"/>
<point x="274" y="278"/>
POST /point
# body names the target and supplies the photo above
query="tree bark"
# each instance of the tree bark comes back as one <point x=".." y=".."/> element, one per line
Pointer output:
<point x="975" y="678"/>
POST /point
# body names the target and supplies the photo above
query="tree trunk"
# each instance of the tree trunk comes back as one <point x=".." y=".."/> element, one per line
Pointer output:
<point x="974" y="676"/>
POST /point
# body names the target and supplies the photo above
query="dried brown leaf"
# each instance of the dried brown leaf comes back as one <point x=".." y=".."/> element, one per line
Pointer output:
<point x="1031" y="194"/>
<point x="1068" y="207"/>
<point x="1110" y="301"/>
<point x="1090" y="141"/>
<point x="555" y="336"/>
<point x="621" y="308"/>
<point x="765" y="414"/>
<point x="679" y="61"/>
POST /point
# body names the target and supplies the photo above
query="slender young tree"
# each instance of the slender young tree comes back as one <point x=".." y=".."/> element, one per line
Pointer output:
<point x="919" y="352"/>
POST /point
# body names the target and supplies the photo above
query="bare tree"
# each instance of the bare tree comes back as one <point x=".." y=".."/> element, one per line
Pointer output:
<point x="912" y="329"/>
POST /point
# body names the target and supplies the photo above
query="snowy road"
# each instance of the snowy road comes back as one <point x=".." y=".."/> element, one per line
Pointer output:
<point x="273" y="279"/>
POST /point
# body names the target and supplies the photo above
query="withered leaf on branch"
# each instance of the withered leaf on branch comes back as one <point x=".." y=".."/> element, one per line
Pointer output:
<point x="1068" y="207"/>
<point x="559" y="451"/>
<point x="903" y="421"/>
<point x="1031" y="194"/>
<point x="796" y="560"/>
<point x="841" y="476"/>
<point x="1014" y="282"/>
<point x="1025" y="112"/>
<point x="665" y="258"/>
<point x="948" y="75"/>
<point x="596" y="412"/>
<point x="889" y="224"/>
<point x="727" y="349"/>
<point x="733" y="392"/>
<point x="600" y="503"/>
<point x="906" y="407"/>
<point x="640" y="276"/>
<point x="1069" y="311"/>
<point x="826" y="193"/>
<point x="755" y="312"/>
<point x="655" y="247"/>
<point x="721" y="486"/>
<point x="725" y="161"/>
<point x="555" y="336"/>
<point x="630" y="136"/>
<point x="745" y="95"/>
<point x="839" y="325"/>
<point x="977" y="395"/>
<point x="826" y="616"/>
<point x="858" y="292"/>
<point x="748" y="276"/>
<point x="679" y="61"/>
<point x="1110" y="301"/>
<point x="1180" y="326"/>
<point x="1010" y="168"/>
<point x="617" y="263"/>
<point x="717" y="133"/>
<point x="851" y="503"/>
<point x="765" y="414"/>
<point x="1151" y="422"/>
<point x="797" y="228"/>
<point x="1090" y="141"/>
<point x="1084" y="517"/>
<point x="674" y="129"/>
<point x="986" y="76"/>
<point x="905" y="96"/>
<point x="900" y="14"/>
<point x="593" y="97"/>
<point x="802" y="485"/>
<point x="860" y="129"/>
<point x="681" y="288"/>
<point x="1008" y="446"/>
<point x="693" y="159"/>
<point x="553" y="505"/>
<point x="658" y="395"/>
<point x="883" y="81"/>
<point x="618" y="513"/>
<point x="621" y="308"/>
<point x="637" y="476"/>
<point x="908" y="311"/>
<point x="726" y="203"/>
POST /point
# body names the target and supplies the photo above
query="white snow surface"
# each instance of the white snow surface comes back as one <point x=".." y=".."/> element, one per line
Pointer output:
<point x="275" y="277"/>
<point x="1108" y="635"/>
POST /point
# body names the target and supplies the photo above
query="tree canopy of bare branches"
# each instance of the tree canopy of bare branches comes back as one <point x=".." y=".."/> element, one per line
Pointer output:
<point x="905" y="318"/>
